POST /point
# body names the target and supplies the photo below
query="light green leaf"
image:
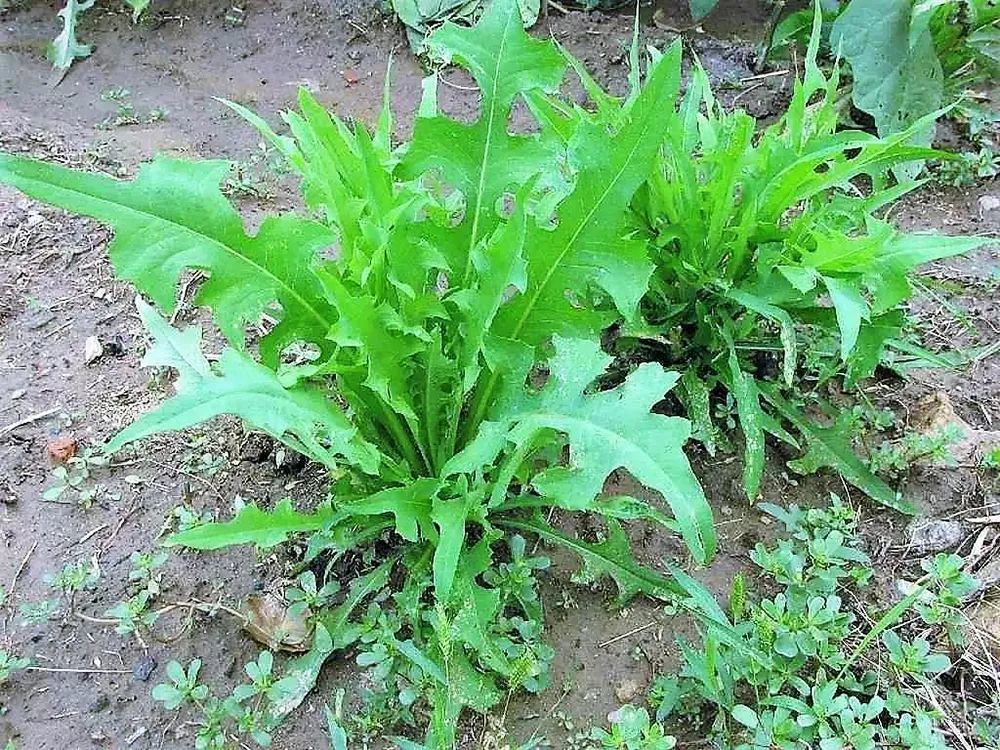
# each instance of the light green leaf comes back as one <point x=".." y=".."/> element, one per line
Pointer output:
<point x="897" y="79"/>
<point x="301" y="416"/>
<point x="138" y="8"/>
<point x="587" y="248"/>
<point x="831" y="447"/>
<point x="301" y="674"/>
<point x="609" y="430"/>
<point x="254" y="526"/>
<point x="986" y="40"/>
<point x="484" y="160"/>
<point x="850" y="307"/>
<point x="905" y="252"/>
<point x="701" y="8"/>
<point x="410" y="505"/>
<point x="332" y="633"/>
<point x="338" y="735"/>
<point x="379" y="336"/>
<point x="499" y="266"/>
<point x="480" y="453"/>
<point x="745" y="716"/>
<point x="65" y="48"/>
<point x="421" y="15"/>
<point x="612" y="557"/>
<point x="698" y="405"/>
<point x="171" y="347"/>
<point x="450" y="516"/>
<point x="172" y="217"/>
<point x="414" y="654"/>
<point x="336" y="620"/>
<point x="870" y="349"/>
<point x="779" y="316"/>
<point x="529" y="11"/>
<point x="802" y="278"/>
<point x="744" y="388"/>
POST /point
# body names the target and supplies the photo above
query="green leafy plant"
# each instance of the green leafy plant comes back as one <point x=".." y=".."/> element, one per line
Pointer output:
<point x="446" y="368"/>
<point x="908" y="59"/>
<point x="632" y="730"/>
<point x="991" y="458"/>
<point x="243" y="713"/>
<point x="75" y="479"/>
<point x="66" y="48"/>
<point x="810" y="691"/>
<point x="896" y="457"/>
<point x="947" y="587"/>
<point x="775" y="269"/>
<point x="420" y="17"/>
<point x="9" y="664"/>
<point x="75" y="577"/>
<point x="126" y="113"/>
<point x="134" y="614"/>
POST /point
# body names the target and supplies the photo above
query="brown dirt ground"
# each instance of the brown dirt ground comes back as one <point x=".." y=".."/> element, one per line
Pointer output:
<point x="57" y="289"/>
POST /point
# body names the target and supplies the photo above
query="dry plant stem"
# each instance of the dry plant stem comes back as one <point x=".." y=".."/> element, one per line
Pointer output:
<point x="191" y="606"/>
<point x="74" y="670"/>
<point x="28" y="420"/>
<point x="956" y="733"/>
<point x="623" y="636"/>
<point x="187" y="474"/>
<point x="20" y="569"/>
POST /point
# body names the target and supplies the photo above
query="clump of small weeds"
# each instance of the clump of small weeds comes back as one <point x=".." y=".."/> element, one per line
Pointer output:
<point x="895" y="457"/>
<point x="257" y="176"/>
<point x="968" y="168"/>
<point x="66" y="583"/>
<point x="9" y="664"/>
<point x="74" y="480"/>
<point x="126" y="114"/>
<point x="134" y="614"/>
<point x="792" y="679"/>
<point x="246" y="714"/>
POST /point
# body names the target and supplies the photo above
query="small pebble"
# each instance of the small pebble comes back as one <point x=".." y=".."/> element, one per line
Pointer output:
<point x="92" y="350"/>
<point x="143" y="668"/>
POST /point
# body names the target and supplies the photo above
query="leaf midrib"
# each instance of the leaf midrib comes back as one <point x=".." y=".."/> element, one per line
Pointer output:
<point x="488" y="147"/>
<point x="188" y="230"/>
<point x="551" y="417"/>
<point x="576" y="234"/>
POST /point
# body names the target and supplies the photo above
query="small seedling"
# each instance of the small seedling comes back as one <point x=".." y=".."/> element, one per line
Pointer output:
<point x="9" y="664"/>
<point x="632" y="730"/>
<point x="134" y="615"/>
<point x="948" y="587"/>
<point x="797" y="652"/>
<point x="36" y="613"/>
<point x="247" y="711"/>
<point x="126" y="114"/>
<point x="74" y="480"/>
<point x="991" y="458"/>
<point x="896" y="457"/>
<point x="75" y="577"/>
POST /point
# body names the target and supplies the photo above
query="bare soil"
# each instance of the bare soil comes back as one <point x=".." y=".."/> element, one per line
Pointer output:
<point x="57" y="289"/>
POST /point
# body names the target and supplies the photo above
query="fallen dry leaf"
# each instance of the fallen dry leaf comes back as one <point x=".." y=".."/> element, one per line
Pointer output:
<point x="269" y="623"/>
<point x="61" y="449"/>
